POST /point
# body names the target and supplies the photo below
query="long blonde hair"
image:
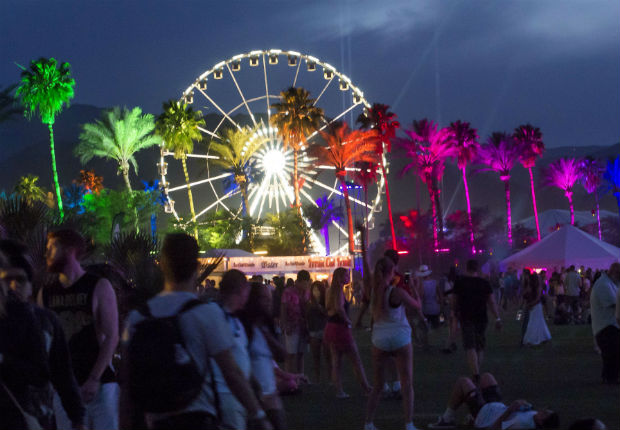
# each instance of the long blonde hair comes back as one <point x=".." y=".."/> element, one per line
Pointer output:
<point x="334" y="291"/>
<point x="382" y="269"/>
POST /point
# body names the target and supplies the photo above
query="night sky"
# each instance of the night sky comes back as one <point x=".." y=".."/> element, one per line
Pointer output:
<point x="555" y="64"/>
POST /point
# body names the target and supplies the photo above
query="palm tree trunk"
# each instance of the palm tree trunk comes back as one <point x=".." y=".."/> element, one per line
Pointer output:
<point x="55" y="172"/>
<point x="471" y="225"/>
<point x="598" y="216"/>
<point x="244" y="196"/>
<point x="297" y="198"/>
<point x="508" y="216"/>
<point x="125" y="173"/>
<point x="534" y="203"/>
<point x="436" y="192"/>
<point x="389" y="203"/>
<point x="325" y="231"/>
<point x="366" y="209"/>
<point x="190" y="196"/>
<point x="569" y="196"/>
<point x="431" y="194"/>
<point x="349" y="215"/>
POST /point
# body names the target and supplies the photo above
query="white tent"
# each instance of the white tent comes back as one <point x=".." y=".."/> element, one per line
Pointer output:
<point x="565" y="247"/>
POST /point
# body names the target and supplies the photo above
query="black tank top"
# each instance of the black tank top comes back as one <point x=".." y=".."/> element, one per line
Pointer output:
<point x="74" y="307"/>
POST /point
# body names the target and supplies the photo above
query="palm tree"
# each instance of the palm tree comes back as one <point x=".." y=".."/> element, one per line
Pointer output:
<point x="44" y="90"/>
<point x="178" y="127"/>
<point x="501" y="153"/>
<point x="345" y="148"/>
<point x="612" y="178"/>
<point x="365" y="175"/>
<point x="591" y="171"/>
<point x="429" y="148"/>
<point x="7" y="104"/>
<point x="118" y="136"/>
<point x="90" y="181"/>
<point x="381" y="119"/>
<point x="296" y="118"/>
<point x="28" y="189"/>
<point x="321" y="216"/>
<point x="465" y="142"/>
<point x="529" y="140"/>
<point x="235" y="152"/>
<point x="563" y="173"/>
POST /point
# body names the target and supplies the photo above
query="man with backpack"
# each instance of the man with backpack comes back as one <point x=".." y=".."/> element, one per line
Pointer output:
<point x="167" y="377"/>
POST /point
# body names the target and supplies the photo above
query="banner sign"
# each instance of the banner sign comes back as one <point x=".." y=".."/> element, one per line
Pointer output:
<point x="274" y="265"/>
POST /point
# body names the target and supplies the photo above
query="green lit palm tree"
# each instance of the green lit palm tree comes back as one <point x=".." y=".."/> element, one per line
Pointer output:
<point x="178" y="127"/>
<point x="43" y="91"/>
<point x="235" y="151"/>
<point x="29" y="190"/>
<point x="296" y="118"/>
<point x="118" y="136"/>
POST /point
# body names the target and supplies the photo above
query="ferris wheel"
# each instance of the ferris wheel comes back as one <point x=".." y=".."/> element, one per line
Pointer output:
<point x="238" y="93"/>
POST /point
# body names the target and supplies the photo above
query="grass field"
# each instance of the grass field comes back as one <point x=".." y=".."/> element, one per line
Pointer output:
<point x="563" y="375"/>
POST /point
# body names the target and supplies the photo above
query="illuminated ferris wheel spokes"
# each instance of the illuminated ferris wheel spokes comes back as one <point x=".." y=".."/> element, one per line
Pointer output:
<point x="272" y="191"/>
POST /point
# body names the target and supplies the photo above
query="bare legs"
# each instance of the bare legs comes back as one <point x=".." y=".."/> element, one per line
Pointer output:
<point x="474" y="360"/>
<point x="316" y="347"/>
<point x="464" y="388"/>
<point x="403" y="358"/>
<point x="358" y="368"/>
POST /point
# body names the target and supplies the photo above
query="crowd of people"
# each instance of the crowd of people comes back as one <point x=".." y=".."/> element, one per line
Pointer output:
<point x="201" y="357"/>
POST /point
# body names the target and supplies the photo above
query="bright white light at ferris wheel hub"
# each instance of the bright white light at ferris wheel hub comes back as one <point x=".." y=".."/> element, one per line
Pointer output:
<point x="273" y="161"/>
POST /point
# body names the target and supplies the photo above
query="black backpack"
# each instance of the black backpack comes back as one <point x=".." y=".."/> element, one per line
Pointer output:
<point x="163" y="376"/>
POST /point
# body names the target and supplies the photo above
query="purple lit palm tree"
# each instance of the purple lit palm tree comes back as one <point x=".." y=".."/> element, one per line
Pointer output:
<point x="531" y="146"/>
<point x="612" y="178"/>
<point x="591" y="171"/>
<point x="501" y="153"/>
<point x="563" y="173"/>
<point x="465" y="142"/>
<point x="429" y="148"/>
<point x="378" y="117"/>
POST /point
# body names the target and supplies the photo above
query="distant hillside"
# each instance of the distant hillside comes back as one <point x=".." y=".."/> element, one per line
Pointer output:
<point x="25" y="149"/>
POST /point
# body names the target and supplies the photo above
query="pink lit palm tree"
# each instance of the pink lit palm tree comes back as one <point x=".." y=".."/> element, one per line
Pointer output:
<point x="531" y="146"/>
<point x="501" y="153"/>
<point x="563" y="173"/>
<point x="378" y="117"/>
<point x="429" y="148"/>
<point x="591" y="177"/>
<point x="465" y="142"/>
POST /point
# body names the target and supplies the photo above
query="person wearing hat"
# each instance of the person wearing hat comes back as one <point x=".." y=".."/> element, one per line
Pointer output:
<point x="430" y="297"/>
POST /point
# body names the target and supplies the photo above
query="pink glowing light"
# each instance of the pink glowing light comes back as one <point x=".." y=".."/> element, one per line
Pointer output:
<point x="563" y="173"/>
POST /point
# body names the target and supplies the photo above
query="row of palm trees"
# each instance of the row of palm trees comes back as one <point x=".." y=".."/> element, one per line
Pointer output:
<point x="46" y="87"/>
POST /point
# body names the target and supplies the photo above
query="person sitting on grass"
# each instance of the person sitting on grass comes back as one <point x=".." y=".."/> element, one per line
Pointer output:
<point x="489" y="412"/>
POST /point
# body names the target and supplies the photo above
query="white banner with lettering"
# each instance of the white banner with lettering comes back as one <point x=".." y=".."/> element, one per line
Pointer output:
<point x="274" y="265"/>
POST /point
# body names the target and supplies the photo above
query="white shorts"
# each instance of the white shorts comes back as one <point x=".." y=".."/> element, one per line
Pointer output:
<point x="391" y="340"/>
<point x="294" y="343"/>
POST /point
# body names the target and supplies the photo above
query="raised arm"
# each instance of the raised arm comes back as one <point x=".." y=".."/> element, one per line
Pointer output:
<point x="367" y="280"/>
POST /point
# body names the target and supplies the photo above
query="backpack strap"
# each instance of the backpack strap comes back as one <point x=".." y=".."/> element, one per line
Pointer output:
<point x="190" y="304"/>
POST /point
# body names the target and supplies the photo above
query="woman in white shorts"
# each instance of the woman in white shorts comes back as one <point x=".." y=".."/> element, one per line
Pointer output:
<point x="391" y="337"/>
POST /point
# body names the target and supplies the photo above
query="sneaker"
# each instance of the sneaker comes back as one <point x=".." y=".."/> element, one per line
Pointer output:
<point x="370" y="426"/>
<point x="441" y="424"/>
<point x="342" y="395"/>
